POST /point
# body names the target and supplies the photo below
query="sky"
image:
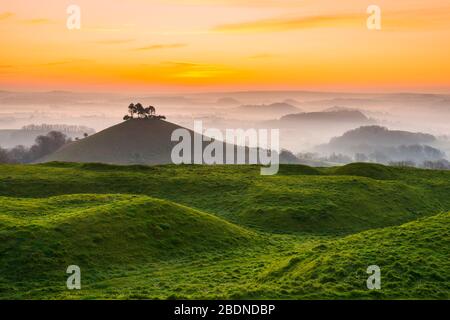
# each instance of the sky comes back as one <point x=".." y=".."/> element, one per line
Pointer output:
<point x="210" y="45"/>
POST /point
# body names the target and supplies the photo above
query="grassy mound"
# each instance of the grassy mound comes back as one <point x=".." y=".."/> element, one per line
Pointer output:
<point x="297" y="169"/>
<point x="296" y="202"/>
<point x="41" y="237"/>
<point x="222" y="231"/>
<point x="368" y="170"/>
<point x="413" y="259"/>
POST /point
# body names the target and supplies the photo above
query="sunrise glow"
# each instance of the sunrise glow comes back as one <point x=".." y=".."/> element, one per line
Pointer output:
<point x="224" y="44"/>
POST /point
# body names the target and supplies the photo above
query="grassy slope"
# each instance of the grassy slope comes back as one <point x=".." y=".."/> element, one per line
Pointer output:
<point x="413" y="257"/>
<point x="130" y="245"/>
<point x="295" y="201"/>
<point x="98" y="231"/>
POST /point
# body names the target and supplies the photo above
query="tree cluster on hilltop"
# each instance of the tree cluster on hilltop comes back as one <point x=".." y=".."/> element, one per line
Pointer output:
<point x="44" y="145"/>
<point x="142" y="113"/>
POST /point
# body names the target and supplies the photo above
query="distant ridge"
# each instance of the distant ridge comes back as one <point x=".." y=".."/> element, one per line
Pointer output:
<point x="377" y="135"/>
<point x="381" y="145"/>
<point x="341" y="115"/>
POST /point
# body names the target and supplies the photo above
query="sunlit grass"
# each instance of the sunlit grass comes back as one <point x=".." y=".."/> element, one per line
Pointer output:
<point x="170" y="232"/>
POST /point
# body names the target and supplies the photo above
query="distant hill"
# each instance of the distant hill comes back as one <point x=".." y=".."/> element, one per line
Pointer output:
<point x="293" y="102"/>
<point x="340" y="115"/>
<point x="377" y="135"/>
<point x="227" y="101"/>
<point x="279" y="108"/>
<point x="328" y="123"/>
<point x="143" y="141"/>
<point x="383" y="145"/>
<point x="339" y="108"/>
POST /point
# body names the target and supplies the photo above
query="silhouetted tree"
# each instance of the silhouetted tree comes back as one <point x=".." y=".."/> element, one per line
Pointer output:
<point x="140" y="110"/>
<point x="361" y="157"/>
<point x="440" y="164"/>
<point x="43" y="146"/>
<point x="339" y="158"/>
<point x="405" y="163"/>
<point x="147" y="112"/>
<point x="142" y="113"/>
<point x="47" y="144"/>
<point x="4" y="156"/>
<point x="19" y="154"/>
<point x="132" y="110"/>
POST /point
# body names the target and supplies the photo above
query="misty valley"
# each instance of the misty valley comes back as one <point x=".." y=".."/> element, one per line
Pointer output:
<point x="312" y="129"/>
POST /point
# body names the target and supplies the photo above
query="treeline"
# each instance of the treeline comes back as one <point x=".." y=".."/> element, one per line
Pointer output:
<point x="437" y="164"/>
<point x="44" y="145"/>
<point x="403" y="156"/>
<point x="65" y="128"/>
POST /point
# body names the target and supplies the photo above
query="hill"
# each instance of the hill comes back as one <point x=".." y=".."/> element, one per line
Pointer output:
<point x="130" y="142"/>
<point x="97" y="231"/>
<point x="325" y="122"/>
<point x="194" y="231"/>
<point x="380" y="136"/>
<point x="340" y="115"/>
<point x="137" y="141"/>
<point x="379" y="144"/>
<point x="413" y="259"/>
<point x="299" y="200"/>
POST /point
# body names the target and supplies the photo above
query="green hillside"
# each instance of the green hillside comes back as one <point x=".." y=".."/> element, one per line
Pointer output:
<point x="223" y="231"/>
<point x="298" y="200"/>
<point x="413" y="257"/>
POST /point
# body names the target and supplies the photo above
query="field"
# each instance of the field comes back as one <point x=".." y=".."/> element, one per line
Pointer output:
<point x="206" y="232"/>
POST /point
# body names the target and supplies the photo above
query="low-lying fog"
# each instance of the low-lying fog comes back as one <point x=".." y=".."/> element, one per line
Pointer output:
<point x="307" y="120"/>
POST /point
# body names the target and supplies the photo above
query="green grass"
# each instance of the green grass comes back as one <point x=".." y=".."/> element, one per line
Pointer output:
<point x="223" y="231"/>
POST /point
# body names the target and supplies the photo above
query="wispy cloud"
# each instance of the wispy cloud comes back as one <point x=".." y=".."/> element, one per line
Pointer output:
<point x="63" y="62"/>
<point x="182" y="69"/>
<point x="408" y="19"/>
<point x="262" y="56"/>
<point x="6" y="15"/>
<point x="162" y="46"/>
<point x="286" y="24"/>
<point x="241" y="3"/>
<point x="33" y="21"/>
<point x="113" y="41"/>
<point x="183" y="64"/>
<point x="38" y="21"/>
<point x="6" y="68"/>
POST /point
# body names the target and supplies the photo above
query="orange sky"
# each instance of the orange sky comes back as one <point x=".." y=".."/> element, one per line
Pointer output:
<point x="198" y="45"/>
